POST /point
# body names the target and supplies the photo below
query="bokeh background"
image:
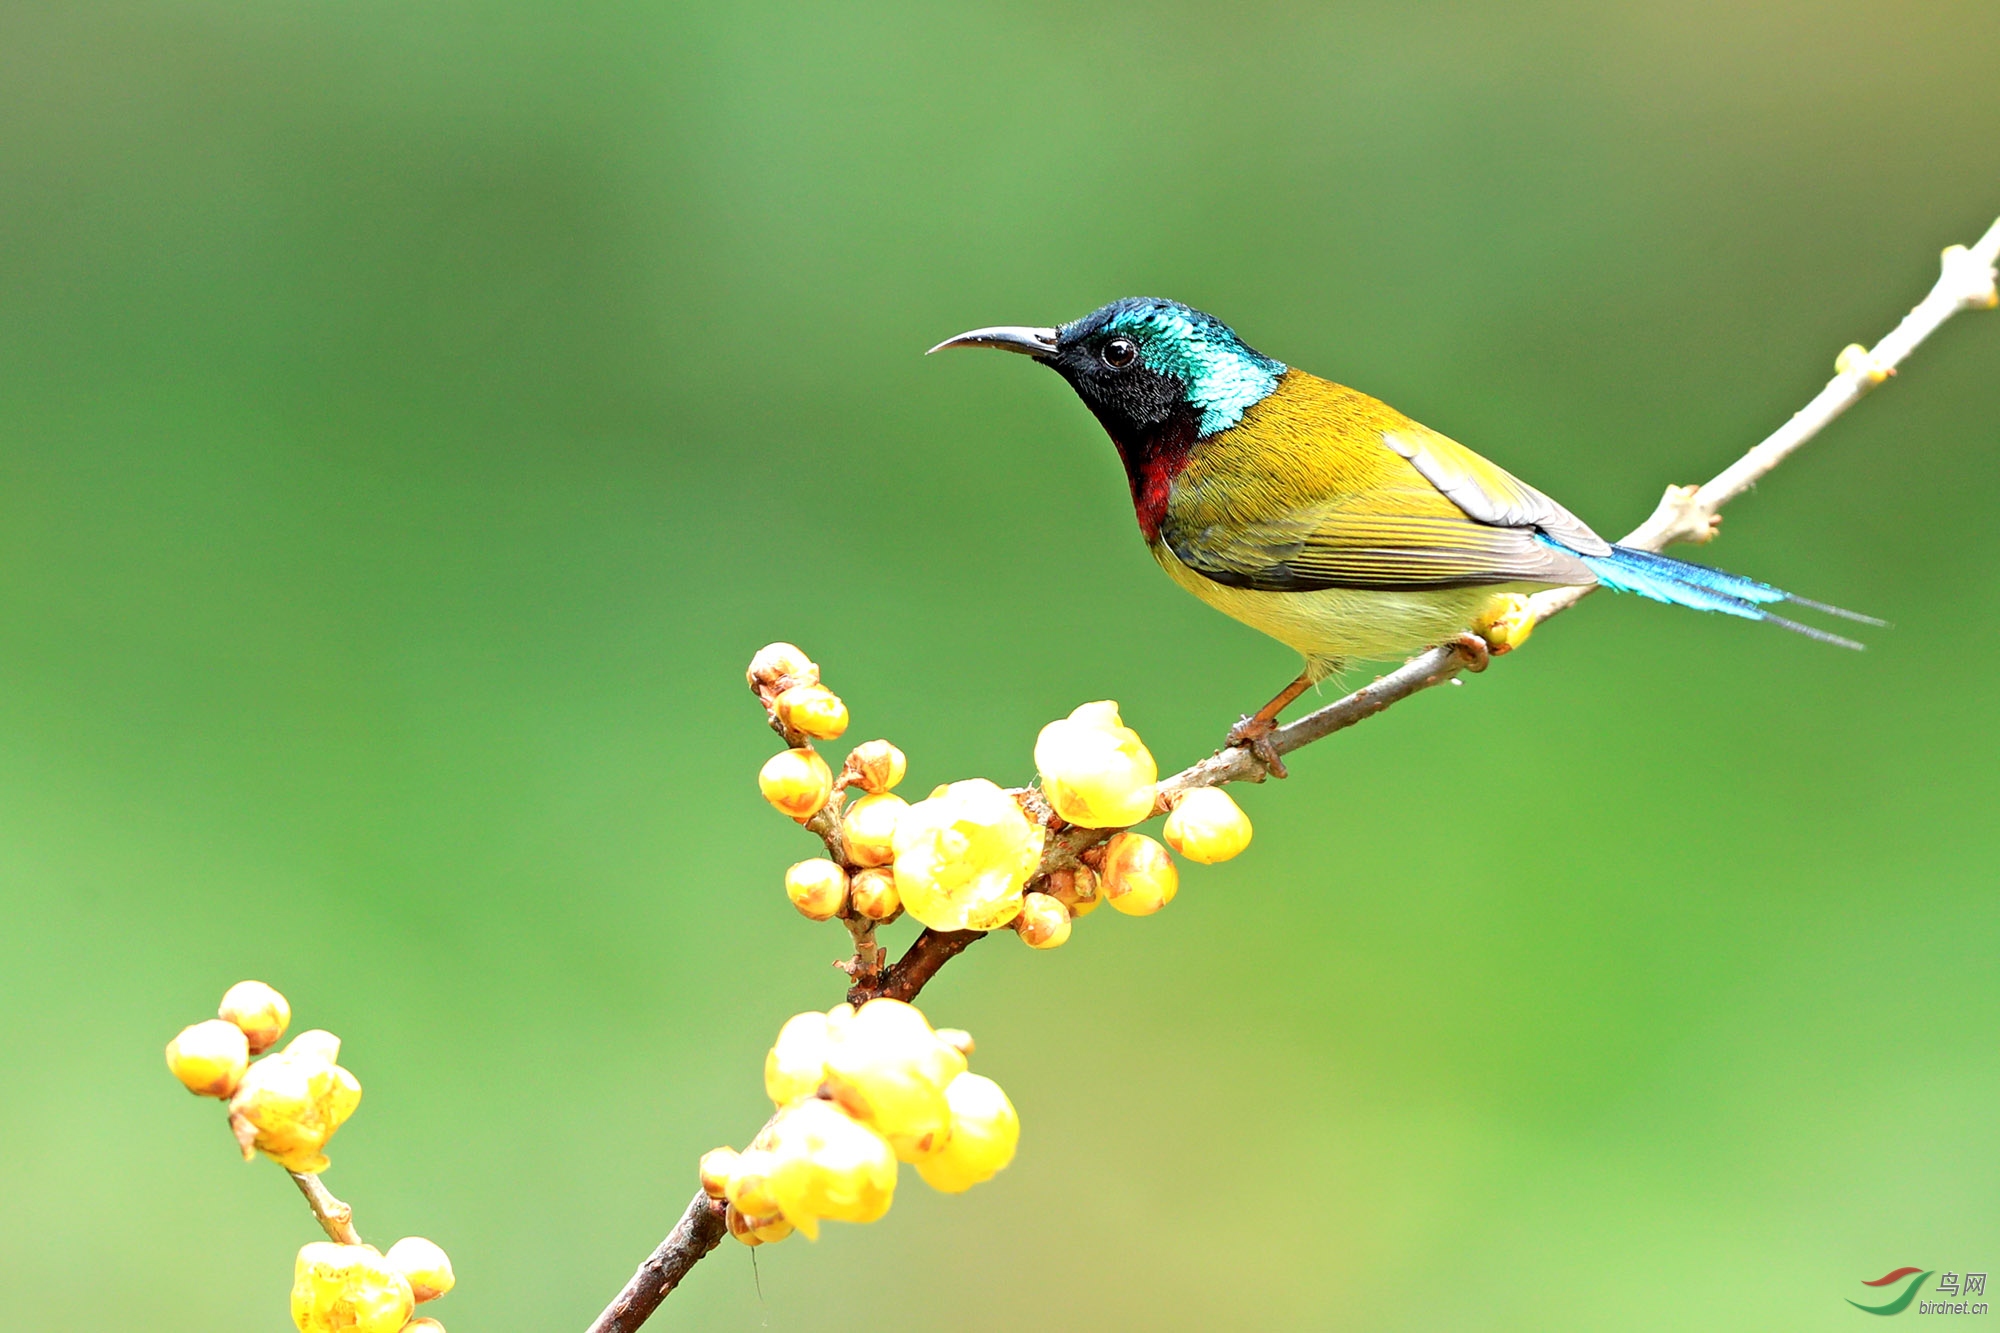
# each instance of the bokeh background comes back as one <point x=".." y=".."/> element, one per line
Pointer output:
<point x="413" y="416"/>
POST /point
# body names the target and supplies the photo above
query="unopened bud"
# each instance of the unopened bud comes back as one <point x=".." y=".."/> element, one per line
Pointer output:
<point x="769" y="1231"/>
<point x="260" y="1011"/>
<point x="1138" y="877"/>
<point x="424" y="1325"/>
<point x="1095" y="770"/>
<point x="797" y="782"/>
<point x="876" y="766"/>
<point x="958" y="1039"/>
<point x="1043" y="923"/>
<point x="209" y="1058"/>
<point x="795" y="1066"/>
<point x="868" y="828"/>
<point x="717" y="1165"/>
<point x="813" y="710"/>
<point x="873" y="895"/>
<point x="750" y="1186"/>
<point x="779" y="666"/>
<point x="1076" y="889"/>
<point x="818" y="888"/>
<point x="1207" y="826"/>
<point x="739" y="1226"/>
<point x="425" y="1264"/>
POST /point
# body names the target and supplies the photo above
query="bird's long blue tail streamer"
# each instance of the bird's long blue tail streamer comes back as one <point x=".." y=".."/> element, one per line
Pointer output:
<point x="1683" y="583"/>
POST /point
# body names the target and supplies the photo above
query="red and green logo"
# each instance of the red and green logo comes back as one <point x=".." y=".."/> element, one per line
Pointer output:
<point x="1902" y="1302"/>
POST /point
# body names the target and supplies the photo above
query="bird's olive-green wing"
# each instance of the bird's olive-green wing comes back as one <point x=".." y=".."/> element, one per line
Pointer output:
<point x="1488" y="492"/>
<point x="1444" y="518"/>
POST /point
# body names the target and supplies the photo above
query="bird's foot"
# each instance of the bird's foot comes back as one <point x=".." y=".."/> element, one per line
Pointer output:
<point x="1254" y="734"/>
<point x="1506" y="623"/>
<point x="1473" y="649"/>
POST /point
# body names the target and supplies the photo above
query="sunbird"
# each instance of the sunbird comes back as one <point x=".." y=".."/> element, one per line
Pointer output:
<point x="1324" y="517"/>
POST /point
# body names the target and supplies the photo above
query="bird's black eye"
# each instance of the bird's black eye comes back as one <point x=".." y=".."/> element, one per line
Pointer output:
<point x="1119" y="353"/>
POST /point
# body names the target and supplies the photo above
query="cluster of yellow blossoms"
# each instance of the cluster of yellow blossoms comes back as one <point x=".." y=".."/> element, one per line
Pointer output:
<point x="858" y="1090"/>
<point x="358" y="1289"/>
<point x="964" y="858"/>
<point x="287" y="1105"/>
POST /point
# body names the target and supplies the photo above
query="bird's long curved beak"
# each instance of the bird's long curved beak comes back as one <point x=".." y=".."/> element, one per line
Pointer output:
<point x="1006" y="337"/>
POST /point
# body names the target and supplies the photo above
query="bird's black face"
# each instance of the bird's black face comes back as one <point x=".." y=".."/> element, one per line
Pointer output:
<point x="1109" y="369"/>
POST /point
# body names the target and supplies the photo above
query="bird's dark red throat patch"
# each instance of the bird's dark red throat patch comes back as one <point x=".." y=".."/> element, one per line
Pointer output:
<point x="1151" y="466"/>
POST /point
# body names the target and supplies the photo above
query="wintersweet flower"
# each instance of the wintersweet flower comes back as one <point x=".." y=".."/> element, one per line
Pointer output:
<point x="260" y="1011"/>
<point x="348" y="1289"/>
<point x="963" y="855"/>
<point x="1044" y="922"/>
<point x="818" y="888"/>
<point x="885" y="1066"/>
<point x="811" y="710"/>
<point x="289" y="1104"/>
<point x="717" y="1166"/>
<point x="876" y="766"/>
<point x="1138" y="877"/>
<point x="749" y="1187"/>
<point x="827" y="1165"/>
<point x="984" y="1132"/>
<point x="779" y="666"/>
<point x="868" y="828"/>
<point x="1207" y="826"/>
<point x="209" y="1058"/>
<point x="873" y="895"/>
<point x="425" y="1264"/>
<point x="796" y="1064"/>
<point x="797" y="782"/>
<point x="1095" y="770"/>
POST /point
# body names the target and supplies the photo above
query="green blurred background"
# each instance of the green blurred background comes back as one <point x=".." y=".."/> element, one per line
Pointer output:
<point x="413" y="416"/>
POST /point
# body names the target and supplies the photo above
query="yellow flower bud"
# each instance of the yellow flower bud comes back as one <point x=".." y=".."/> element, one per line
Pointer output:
<point x="317" y="1043"/>
<point x="717" y="1166"/>
<point x="984" y="1132"/>
<point x="739" y="1226"/>
<point x="1076" y="889"/>
<point x="770" y="1231"/>
<point x="1138" y="876"/>
<point x="825" y="1164"/>
<point x="1207" y="826"/>
<point x="868" y="828"/>
<point x="796" y="1064"/>
<point x="425" y="1325"/>
<point x="209" y="1058"/>
<point x="886" y="1067"/>
<point x="812" y="709"/>
<point x="873" y="894"/>
<point x="875" y="766"/>
<point x="749" y="1188"/>
<point x="260" y="1011"/>
<point x="963" y="855"/>
<point x="1095" y="771"/>
<point x="1506" y="623"/>
<point x="1043" y="923"/>
<point x="958" y="1039"/>
<point x="797" y="782"/>
<point x="779" y="666"/>
<point x="289" y="1104"/>
<point x="348" y="1289"/>
<point x="425" y="1264"/>
<point x="818" y="888"/>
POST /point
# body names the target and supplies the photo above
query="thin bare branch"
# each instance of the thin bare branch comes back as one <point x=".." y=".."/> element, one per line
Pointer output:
<point x="335" y="1217"/>
<point x="700" y="1230"/>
